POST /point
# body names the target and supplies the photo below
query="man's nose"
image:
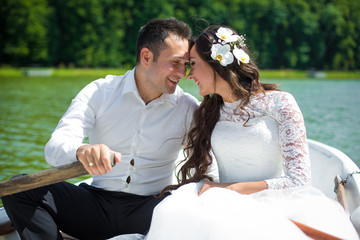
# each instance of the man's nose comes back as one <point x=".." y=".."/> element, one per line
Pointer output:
<point x="182" y="71"/>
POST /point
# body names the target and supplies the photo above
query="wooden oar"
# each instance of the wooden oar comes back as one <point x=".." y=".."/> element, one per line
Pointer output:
<point x="319" y="235"/>
<point x="45" y="177"/>
<point x="314" y="233"/>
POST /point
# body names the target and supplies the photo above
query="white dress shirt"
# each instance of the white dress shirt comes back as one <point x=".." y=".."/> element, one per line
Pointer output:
<point x="110" y="111"/>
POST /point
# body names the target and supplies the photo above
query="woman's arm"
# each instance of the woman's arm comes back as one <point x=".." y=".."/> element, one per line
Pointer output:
<point x="293" y="143"/>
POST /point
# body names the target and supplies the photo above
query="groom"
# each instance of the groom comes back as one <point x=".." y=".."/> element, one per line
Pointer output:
<point x="142" y="116"/>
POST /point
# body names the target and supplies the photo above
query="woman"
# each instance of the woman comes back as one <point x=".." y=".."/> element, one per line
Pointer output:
<point x="258" y="138"/>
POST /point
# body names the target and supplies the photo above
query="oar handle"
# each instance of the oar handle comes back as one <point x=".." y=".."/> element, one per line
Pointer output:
<point x="44" y="178"/>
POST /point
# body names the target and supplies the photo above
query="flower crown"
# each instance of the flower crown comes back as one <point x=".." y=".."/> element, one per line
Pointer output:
<point x="229" y="46"/>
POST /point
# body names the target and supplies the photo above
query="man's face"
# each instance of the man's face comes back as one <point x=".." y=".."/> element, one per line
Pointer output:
<point x="170" y="66"/>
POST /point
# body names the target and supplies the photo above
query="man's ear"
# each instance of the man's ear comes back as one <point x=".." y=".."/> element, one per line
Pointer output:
<point x="146" y="57"/>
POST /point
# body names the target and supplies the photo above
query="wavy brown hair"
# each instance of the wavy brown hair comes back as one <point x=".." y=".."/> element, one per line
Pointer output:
<point x="243" y="80"/>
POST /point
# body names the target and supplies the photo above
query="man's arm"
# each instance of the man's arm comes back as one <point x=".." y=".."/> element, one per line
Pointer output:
<point x="74" y="127"/>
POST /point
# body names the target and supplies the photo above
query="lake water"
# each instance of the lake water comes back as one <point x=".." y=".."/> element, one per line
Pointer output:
<point x="32" y="106"/>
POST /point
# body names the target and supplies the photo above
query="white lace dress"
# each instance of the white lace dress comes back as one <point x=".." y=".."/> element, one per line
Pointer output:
<point x="271" y="147"/>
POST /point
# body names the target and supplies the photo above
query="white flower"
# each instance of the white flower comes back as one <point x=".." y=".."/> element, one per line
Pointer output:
<point x="226" y="35"/>
<point x="241" y="55"/>
<point x="222" y="54"/>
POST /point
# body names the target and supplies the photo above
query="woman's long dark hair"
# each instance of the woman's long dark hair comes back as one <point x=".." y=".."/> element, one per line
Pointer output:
<point x="243" y="80"/>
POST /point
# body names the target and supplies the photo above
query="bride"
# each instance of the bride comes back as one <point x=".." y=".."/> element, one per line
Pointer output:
<point x="256" y="135"/>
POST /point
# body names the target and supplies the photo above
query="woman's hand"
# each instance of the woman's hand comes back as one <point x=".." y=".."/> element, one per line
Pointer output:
<point x="240" y="187"/>
<point x="207" y="185"/>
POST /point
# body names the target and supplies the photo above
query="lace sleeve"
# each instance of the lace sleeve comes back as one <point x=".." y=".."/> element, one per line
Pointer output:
<point x="292" y="137"/>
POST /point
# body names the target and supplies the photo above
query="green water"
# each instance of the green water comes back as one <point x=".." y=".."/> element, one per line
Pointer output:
<point x="331" y="109"/>
<point x="32" y="106"/>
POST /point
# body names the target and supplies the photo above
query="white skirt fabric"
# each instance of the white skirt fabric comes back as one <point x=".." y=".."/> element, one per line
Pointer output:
<point x="225" y="214"/>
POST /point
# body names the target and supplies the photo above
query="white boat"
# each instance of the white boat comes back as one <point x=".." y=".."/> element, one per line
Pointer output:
<point x="38" y="72"/>
<point x="326" y="163"/>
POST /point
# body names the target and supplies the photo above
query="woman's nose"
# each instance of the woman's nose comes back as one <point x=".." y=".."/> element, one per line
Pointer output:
<point x="190" y="75"/>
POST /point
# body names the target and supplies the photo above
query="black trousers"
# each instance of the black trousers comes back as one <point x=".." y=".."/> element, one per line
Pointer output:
<point x="83" y="211"/>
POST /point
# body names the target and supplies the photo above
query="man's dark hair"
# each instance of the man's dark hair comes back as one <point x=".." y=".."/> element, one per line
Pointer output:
<point x="153" y="34"/>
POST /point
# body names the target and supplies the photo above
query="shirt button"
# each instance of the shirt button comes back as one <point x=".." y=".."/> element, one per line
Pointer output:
<point x="128" y="180"/>
<point x="132" y="162"/>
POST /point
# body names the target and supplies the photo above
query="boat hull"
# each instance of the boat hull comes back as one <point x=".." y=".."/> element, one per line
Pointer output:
<point x="326" y="163"/>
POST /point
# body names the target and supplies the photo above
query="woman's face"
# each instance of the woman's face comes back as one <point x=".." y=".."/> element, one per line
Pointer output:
<point x="202" y="73"/>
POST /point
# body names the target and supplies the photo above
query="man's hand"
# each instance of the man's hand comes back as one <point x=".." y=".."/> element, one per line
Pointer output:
<point x="96" y="158"/>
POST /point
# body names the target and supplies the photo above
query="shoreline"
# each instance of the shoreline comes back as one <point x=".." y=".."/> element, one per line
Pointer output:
<point x="101" y="72"/>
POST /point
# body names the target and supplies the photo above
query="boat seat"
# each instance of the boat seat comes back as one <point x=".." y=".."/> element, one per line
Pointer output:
<point x="5" y="224"/>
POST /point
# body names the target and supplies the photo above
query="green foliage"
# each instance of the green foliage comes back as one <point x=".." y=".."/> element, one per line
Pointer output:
<point x="299" y="34"/>
<point x="23" y="32"/>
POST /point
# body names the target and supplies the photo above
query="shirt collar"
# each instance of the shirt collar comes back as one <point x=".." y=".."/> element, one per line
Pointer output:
<point x="130" y="86"/>
<point x="169" y="97"/>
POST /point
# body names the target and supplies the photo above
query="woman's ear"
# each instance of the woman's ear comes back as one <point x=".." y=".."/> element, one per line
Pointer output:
<point x="146" y="57"/>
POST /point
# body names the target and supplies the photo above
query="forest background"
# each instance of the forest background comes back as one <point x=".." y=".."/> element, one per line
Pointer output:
<point x="284" y="34"/>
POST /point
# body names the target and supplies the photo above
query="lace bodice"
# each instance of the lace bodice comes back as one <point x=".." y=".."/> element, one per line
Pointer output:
<point x="271" y="147"/>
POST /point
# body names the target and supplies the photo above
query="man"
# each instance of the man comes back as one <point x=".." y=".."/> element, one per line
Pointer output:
<point x="143" y="117"/>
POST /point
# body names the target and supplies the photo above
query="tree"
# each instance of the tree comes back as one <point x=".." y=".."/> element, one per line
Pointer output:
<point x="23" y="32"/>
<point x="102" y="33"/>
<point x="76" y="33"/>
<point x="261" y="22"/>
<point x="348" y="50"/>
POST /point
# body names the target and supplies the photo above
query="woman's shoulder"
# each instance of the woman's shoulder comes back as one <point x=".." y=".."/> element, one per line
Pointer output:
<point x="276" y="101"/>
<point x="277" y="93"/>
<point x="278" y="97"/>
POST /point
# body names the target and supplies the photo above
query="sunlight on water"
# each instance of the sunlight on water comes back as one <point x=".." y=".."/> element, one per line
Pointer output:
<point x="332" y="112"/>
<point x="31" y="108"/>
